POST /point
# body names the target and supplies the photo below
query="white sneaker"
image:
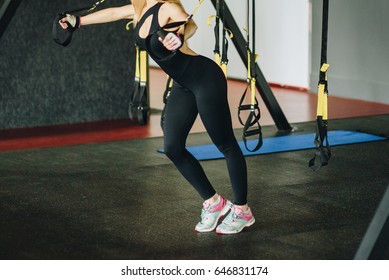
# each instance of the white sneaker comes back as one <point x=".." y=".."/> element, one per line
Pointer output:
<point x="211" y="213"/>
<point x="236" y="221"/>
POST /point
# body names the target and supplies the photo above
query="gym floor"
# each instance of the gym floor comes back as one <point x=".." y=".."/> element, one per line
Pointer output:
<point x="102" y="191"/>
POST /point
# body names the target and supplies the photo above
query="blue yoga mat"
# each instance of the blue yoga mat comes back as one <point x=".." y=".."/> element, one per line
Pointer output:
<point x="286" y="143"/>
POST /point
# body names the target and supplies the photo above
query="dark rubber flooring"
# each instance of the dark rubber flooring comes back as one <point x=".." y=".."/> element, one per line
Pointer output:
<point x="123" y="200"/>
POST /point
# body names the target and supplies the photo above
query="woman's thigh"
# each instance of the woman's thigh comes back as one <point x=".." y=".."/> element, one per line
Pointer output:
<point x="180" y="114"/>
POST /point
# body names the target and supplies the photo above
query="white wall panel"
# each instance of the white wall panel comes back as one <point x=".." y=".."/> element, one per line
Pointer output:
<point x="282" y="38"/>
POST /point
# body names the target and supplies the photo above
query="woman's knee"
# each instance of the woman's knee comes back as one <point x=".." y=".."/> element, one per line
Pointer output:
<point x="229" y="148"/>
<point x="174" y="152"/>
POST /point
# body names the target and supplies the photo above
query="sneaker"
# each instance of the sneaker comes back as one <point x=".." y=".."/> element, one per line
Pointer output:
<point x="236" y="221"/>
<point x="211" y="213"/>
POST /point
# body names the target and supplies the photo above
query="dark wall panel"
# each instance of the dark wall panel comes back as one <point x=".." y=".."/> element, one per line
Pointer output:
<point x="42" y="83"/>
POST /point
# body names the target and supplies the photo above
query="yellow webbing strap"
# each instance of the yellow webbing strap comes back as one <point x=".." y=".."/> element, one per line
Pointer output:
<point x="128" y="25"/>
<point x="170" y="84"/>
<point x="197" y="7"/>
<point x="251" y="78"/>
<point x="137" y="57"/>
<point x="95" y="5"/>
<point x="223" y="66"/>
<point x="323" y="150"/>
<point x="322" y="104"/>
<point x="252" y="89"/>
<point x="217" y="58"/>
<point x="143" y="66"/>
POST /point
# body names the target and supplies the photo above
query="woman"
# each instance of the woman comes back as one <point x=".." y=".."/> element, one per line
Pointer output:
<point x="200" y="88"/>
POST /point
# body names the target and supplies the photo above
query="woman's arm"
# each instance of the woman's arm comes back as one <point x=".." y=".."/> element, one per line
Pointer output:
<point x="109" y="15"/>
<point x="190" y="29"/>
<point x="102" y="16"/>
<point x="175" y="13"/>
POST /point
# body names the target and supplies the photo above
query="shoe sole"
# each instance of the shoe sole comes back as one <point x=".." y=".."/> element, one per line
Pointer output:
<point x="248" y="224"/>
<point x="224" y="211"/>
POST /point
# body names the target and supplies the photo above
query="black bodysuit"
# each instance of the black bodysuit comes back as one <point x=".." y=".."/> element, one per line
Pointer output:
<point x="200" y="87"/>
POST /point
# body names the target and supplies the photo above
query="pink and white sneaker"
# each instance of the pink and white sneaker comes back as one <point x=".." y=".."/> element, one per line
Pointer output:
<point x="236" y="221"/>
<point x="211" y="213"/>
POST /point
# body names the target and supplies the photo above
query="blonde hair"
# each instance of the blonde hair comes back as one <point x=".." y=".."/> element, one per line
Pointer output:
<point x="140" y="4"/>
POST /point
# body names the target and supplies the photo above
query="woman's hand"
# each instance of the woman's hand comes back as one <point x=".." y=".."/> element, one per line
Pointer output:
<point x="70" y="21"/>
<point x="172" y="41"/>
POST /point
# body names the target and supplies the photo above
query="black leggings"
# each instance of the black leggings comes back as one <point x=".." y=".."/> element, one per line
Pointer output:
<point x="211" y="104"/>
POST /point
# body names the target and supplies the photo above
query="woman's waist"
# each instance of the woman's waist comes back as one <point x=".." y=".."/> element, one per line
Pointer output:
<point x="188" y="51"/>
<point x="190" y="70"/>
<point x="176" y="66"/>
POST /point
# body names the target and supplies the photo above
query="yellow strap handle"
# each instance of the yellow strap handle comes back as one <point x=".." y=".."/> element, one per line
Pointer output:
<point x="324" y="68"/>
<point x="322" y="97"/>
<point x="230" y="34"/>
<point x="248" y="65"/>
<point x="223" y="66"/>
<point x="143" y="66"/>
<point x="217" y="58"/>
<point x="210" y="18"/>
<point x="170" y="82"/>
<point x="322" y="103"/>
<point x="250" y="78"/>
<point x="252" y="89"/>
<point x="320" y="100"/>
<point x="128" y="25"/>
<point x="137" y="57"/>
<point x="325" y="107"/>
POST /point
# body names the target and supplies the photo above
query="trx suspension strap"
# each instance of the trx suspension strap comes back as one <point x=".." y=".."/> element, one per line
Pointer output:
<point x="139" y="105"/>
<point x="216" y="29"/>
<point x="166" y="94"/>
<point x="69" y="31"/>
<point x="323" y="151"/>
<point x="254" y="115"/>
<point x="220" y="57"/>
<point x="224" y="58"/>
<point x="162" y="32"/>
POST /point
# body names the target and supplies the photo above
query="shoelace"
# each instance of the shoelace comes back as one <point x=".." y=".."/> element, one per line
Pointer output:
<point x="205" y="211"/>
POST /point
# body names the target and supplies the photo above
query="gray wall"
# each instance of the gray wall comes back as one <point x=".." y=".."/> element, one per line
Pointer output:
<point x="42" y="83"/>
<point x="358" y="45"/>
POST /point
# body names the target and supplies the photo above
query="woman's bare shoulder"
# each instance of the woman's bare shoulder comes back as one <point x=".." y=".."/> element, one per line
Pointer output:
<point x="173" y="12"/>
<point x="172" y="9"/>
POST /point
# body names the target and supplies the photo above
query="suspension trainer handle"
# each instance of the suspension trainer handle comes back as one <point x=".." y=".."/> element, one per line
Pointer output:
<point x="70" y="30"/>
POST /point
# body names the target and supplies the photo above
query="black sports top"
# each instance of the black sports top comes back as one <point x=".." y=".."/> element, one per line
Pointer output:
<point x="174" y="63"/>
<point x="155" y="45"/>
